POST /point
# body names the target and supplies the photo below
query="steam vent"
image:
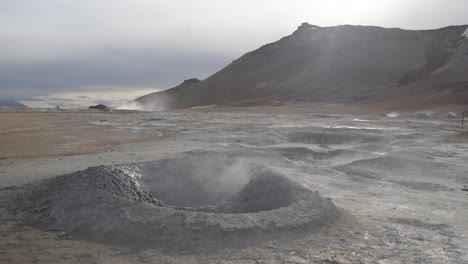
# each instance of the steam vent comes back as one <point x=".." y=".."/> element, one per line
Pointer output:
<point x="181" y="203"/>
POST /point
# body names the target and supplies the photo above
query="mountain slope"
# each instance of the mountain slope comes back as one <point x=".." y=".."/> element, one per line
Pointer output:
<point x="158" y="100"/>
<point x="12" y="104"/>
<point x="343" y="64"/>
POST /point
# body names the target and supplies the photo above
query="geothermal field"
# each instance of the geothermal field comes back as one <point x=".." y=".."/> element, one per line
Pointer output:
<point x="233" y="132"/>
<point x="232" y="187"/>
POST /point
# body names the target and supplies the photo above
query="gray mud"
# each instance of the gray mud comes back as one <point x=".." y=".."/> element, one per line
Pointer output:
<point x="242" y="188"/>
<point x="190" y="203"/>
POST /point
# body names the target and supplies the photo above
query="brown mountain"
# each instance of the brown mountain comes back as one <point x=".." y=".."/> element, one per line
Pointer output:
<point x="359" y="65"/>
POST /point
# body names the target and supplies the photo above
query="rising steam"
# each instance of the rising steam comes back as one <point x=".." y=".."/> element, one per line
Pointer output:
<point x="148" y="103"/>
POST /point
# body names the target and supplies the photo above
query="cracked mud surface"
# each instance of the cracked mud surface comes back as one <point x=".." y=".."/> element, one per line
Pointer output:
<point x="400" y="181"/>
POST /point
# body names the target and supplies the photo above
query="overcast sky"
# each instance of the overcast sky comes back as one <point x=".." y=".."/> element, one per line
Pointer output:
<point x="77" y="52"/>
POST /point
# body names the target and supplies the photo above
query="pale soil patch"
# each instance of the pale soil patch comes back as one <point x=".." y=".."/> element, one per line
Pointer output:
<point x="36" y="134"/>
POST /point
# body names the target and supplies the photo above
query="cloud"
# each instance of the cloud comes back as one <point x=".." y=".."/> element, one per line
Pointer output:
<point x="109" y="97"/>
<point x="58" y="46"/>
<point x="107" y="69"/>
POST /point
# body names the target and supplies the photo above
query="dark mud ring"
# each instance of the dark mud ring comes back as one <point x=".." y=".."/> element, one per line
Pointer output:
<point x="112" y="204"/>
<point x="334" y="137"/>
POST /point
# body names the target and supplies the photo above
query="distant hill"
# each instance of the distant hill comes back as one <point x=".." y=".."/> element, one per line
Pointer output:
<point x="359" y="65"/>
<point x="98" y="107"/>
<point x="11" y="104"/>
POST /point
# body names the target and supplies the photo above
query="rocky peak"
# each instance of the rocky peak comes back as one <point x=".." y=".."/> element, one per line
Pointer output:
<point x="305" y="26"/>
<point x="191" y="81"/>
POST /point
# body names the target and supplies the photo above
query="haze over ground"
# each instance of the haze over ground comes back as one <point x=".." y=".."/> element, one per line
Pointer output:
<point x="79" y="53"/>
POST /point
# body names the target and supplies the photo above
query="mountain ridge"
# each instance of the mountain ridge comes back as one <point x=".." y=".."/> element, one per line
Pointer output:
<point x="12" y="104"/>
<point x="341" y="64"/>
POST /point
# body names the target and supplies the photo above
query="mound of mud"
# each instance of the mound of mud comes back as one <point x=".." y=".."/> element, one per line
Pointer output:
<point x="307" y="154"/>
<point x="175" y="204"/>
<point x="409" y="169"/>
<point x="333" y="137"/>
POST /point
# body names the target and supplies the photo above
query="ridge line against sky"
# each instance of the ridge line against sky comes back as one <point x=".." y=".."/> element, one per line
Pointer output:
<point x="109" y="51"/>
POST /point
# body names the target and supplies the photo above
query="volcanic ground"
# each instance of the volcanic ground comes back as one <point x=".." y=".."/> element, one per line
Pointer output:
<point x="254" y="188"/>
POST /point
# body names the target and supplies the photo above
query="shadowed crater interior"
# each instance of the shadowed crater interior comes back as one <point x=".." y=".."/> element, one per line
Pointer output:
<point x="194" y="181"/>
<point x="175" y="204"/>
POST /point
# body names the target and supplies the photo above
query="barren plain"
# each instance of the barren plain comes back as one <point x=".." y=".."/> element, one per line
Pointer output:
<point x="379" y="189"/>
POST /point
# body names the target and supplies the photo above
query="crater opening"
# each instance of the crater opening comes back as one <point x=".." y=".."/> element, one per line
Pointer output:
<point x="187" y="201"/>
<point x="195" y="181"/>
<point x="214" y="184"/>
